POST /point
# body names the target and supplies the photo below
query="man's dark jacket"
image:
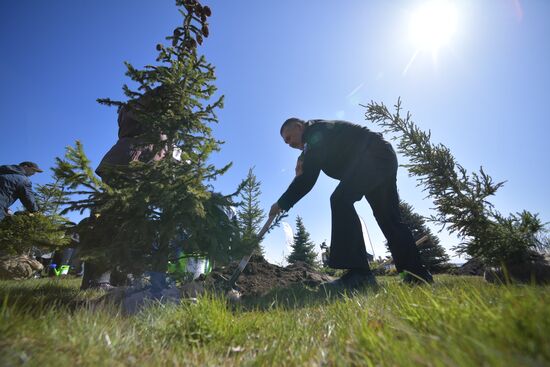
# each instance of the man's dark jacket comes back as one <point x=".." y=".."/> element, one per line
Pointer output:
<point x="14" y="184"/>
<point x="334" y="147"/>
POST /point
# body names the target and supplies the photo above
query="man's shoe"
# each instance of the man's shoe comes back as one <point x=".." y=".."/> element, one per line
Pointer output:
<point x="358" y="280"/>
<point x="340" y="282"/>
<point x="423" y="277"/>
<point x="354" y="279"/>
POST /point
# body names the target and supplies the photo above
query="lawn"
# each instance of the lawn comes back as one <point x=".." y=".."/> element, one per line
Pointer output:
<point x="459" y="321"/>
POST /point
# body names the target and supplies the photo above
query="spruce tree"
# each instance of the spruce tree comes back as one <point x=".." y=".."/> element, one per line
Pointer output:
<point x="461" y="199"/>
<point x="433" y="255"/>
<point x="49" y="198"/>
<point x="24" y="233"/>
<point x="303" y="249"/>
<point x="250" y="215"/>
<point x="151" y="203"/>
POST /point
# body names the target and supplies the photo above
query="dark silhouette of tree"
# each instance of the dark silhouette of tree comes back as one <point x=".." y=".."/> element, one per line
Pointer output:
<point x="431" y="252"/>
<point x="46" y="229"/>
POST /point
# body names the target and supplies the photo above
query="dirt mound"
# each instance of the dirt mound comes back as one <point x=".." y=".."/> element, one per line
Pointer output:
<point x="259" y="277"/>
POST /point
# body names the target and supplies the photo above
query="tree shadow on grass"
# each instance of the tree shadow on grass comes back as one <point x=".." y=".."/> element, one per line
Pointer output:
<point x="300" y="296"/>
<point x="36" y="295"/>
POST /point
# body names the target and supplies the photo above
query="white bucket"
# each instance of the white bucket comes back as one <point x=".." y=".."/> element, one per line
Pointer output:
<point x="197" y="266"/>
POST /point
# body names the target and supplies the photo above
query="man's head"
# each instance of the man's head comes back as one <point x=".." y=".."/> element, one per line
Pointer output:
<point x="292" y="131"/>
<point x="30" y="168"/>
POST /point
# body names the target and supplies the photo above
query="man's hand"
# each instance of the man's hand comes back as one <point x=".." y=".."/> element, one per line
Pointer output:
<point x="275" y="209"/>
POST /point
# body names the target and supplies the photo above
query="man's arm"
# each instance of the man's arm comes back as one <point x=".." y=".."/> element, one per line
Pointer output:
<point x="275" y="209"/>
<point x="304" y="181"/>
<point x="308" y="169"/>
<point x="299" y="187"/>
<point x="26" y="195"/>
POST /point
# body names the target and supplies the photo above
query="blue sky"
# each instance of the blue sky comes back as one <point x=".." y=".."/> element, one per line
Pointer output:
<point x="483" y="93"/>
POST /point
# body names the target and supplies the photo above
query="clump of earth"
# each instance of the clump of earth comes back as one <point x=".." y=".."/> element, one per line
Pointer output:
<point x="260" y="277"/>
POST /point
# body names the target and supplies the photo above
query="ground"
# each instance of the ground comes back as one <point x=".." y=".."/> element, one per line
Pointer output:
<point x="260" y="277"/>
<point x="459" y="321"/>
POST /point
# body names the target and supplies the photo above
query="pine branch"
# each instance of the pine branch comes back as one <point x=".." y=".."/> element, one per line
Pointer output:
<point x="461" y="199"/>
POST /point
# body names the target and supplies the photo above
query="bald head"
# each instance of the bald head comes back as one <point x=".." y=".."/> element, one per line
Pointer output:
<point x="291" y="122"/>
<point x="292" y="131"/>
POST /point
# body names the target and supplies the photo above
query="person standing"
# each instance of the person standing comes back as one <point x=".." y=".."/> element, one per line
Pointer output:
<point x="130" y="147"/>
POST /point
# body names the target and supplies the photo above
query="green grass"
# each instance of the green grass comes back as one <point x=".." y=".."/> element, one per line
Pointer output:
<point x="460" y="321"/>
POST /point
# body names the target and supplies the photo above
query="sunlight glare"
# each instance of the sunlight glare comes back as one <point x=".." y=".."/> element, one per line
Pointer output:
<point x="433" y="25"/>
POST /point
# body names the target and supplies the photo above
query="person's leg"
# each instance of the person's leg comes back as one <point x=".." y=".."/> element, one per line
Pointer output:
<point x="384" y="201"/>
<point x="159" y="266"/>
<point x="95" y="275"/>
<point x="347" y="247"/>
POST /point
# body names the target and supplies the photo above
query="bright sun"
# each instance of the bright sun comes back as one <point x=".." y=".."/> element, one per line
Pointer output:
<point x="433" y="25"/>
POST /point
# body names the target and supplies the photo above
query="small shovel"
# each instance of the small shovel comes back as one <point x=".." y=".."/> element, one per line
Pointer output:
<point x="246" y="259"/>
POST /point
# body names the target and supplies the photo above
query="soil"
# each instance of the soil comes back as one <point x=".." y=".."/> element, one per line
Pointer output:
<point x="260" y="277"/>
<point x="257" y="279"/>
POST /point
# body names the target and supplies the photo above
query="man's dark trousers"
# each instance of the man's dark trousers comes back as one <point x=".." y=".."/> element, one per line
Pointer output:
<point x="372" y="175"/>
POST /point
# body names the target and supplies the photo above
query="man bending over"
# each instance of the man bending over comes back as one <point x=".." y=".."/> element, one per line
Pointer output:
<point x="366" y="165"/>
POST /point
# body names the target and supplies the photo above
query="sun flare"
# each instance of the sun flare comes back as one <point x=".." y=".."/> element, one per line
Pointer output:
<point x="433" y="25"/>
